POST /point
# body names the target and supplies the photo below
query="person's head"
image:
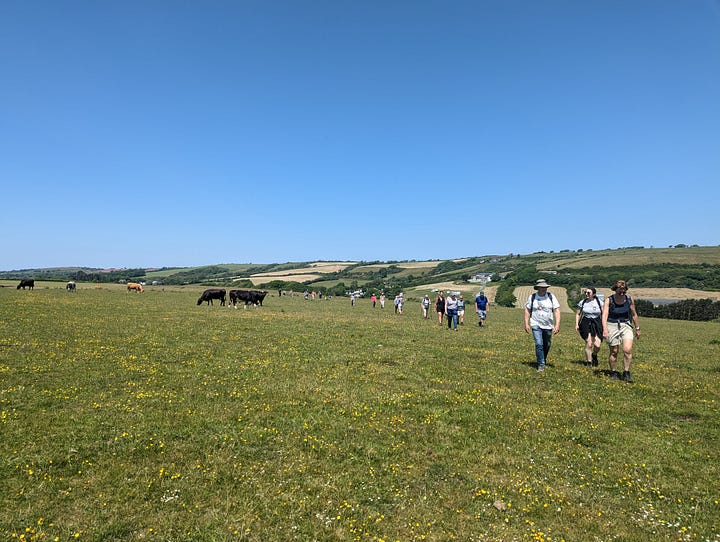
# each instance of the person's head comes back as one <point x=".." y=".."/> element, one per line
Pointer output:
<point x="541" y="286"/>
<point x="590" y="292"/>
<point x="460" y="297"/>
<point x="620" y="287"/>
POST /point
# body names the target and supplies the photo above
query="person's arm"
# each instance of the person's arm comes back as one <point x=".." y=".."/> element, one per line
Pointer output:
<point x="633" y="312"/>
<point x="556" y="312"/>
<point x="605" y="312"/>
<point x="527" y="320"/>
<point x="577" y="320"/>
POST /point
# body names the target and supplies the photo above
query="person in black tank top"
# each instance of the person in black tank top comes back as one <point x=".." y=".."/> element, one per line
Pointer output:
<point x="620" y="326"/>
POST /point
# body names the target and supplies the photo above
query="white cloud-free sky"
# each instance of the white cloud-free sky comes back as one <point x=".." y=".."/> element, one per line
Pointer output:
<point x="181" y="133"/>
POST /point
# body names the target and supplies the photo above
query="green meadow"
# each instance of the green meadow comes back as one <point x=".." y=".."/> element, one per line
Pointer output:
<point x="146" y="417"/>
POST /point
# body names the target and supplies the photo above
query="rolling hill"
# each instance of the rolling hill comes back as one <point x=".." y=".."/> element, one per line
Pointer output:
<point x="693" y="268"/>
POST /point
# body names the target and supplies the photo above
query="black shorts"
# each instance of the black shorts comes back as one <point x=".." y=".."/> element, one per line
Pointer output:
<point x="590" y="326"/>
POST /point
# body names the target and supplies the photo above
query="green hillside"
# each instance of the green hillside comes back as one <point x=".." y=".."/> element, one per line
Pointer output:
<point x="682" y="266"/>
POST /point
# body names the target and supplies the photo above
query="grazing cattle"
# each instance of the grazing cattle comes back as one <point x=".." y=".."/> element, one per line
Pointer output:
<point x="210" y="294"/>
<point x="248" y="297"/>
<point x="135" y="286"/>
<point x="70" y="286"/>
<point x="30" y="283"/>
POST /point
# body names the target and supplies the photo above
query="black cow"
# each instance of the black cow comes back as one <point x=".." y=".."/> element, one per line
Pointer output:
<point x="212" y="293"/>
<point x="70" y="286"/>
<point x="30" y="283"/>
<point x="248" y="297"/>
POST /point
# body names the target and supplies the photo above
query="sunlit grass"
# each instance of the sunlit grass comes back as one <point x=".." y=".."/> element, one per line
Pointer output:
<point x="146" y="417"/>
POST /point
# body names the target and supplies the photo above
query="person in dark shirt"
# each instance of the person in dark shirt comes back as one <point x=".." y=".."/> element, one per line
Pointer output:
<point x="620" y="326"/>
<point x="481" y="306"/>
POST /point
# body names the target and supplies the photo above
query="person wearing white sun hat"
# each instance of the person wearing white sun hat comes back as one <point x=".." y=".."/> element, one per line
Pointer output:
<point x="542" y="318"/>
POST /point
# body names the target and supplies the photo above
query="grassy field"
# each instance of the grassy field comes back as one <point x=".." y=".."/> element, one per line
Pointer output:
<point x="147" y="417"/>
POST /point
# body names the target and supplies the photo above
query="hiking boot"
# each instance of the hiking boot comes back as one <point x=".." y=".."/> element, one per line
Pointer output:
<point x="626" y="377"/>
<point x="541" y="368"/>
<point x="614" y="375"/>
<point x="594" y="360"/>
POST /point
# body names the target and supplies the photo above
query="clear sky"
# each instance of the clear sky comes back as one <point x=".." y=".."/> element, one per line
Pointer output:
<point x="181" y="133"/>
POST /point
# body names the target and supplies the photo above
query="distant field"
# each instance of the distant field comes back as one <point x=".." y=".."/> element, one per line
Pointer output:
<point x="524" y="292"/>
<point x="312" y="272"/>
<point x="231" y="267"/>
<point x="137" y="417"/>
<point x="622" y="257"/>
<point x="401" y="265"/>
<point x="262" y="279"/>
<point x="319" y="267"/>
<point x="668" y="293"/>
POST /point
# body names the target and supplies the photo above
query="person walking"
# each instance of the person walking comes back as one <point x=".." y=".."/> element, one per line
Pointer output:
<point x="542" y="319"/>
<point x="461" y="311"/>
<point x="440" y="307"/>
<point x="425" y="304"/>
<point x="451" y="310"/>
<point x="481" y="306"/>
<point x="619" y="321"/>
<point x="588" y="322"/>
<point x="373" y="300"/>
<point x="399" y="300"/>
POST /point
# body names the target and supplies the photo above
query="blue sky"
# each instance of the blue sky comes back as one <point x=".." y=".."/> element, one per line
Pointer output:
<point x="179" y="133"/>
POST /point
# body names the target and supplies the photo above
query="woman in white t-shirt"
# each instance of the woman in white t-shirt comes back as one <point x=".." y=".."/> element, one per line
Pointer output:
<point x="588" y="323"/>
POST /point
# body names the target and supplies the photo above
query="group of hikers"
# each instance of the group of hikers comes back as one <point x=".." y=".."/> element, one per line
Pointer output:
<point x="614" y="320"/>
<point x="452" y="306"/>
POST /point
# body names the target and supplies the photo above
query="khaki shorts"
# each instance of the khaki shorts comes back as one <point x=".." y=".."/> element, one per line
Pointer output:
<point x="618" y="332"/>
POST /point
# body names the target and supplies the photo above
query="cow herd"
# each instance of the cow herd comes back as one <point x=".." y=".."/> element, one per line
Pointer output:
<point x="248" y="297"/>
